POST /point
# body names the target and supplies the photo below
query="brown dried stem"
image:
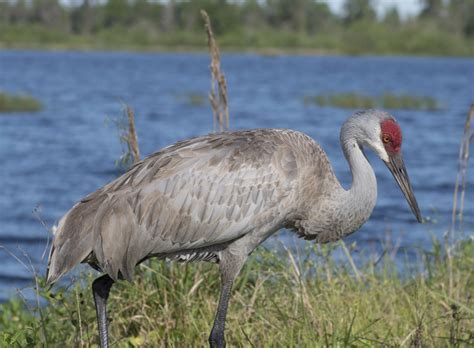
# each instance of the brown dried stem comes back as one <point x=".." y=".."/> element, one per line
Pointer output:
<point x="218" y="93"/>
<point x="132" y="138"/>
<point x="459" y="189"/>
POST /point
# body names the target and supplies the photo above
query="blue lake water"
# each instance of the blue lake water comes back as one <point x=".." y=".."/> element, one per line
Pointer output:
<point x="53" y="158"/>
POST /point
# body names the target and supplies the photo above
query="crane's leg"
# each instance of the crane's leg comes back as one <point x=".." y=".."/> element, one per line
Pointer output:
<point x="100" y="289"/>
<point x="229" y="267"/>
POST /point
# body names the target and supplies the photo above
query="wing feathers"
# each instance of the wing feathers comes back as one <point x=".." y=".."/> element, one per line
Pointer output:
<point x="193" y="194"/>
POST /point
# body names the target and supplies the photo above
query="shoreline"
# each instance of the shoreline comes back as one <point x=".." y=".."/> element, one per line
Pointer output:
<point x="261" y="51"/>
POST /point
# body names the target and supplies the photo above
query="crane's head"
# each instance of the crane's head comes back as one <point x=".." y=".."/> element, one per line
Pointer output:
<point x="381" y="132"/>
<point x="391" y="137"/>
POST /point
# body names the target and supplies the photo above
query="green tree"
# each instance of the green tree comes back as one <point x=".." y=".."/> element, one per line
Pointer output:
<point x="463" y="12"/>
<point x="18" y="12"/>
<point x="82" y="18"/>
<point x="318" y="18"/>
<point x="117" y="12"/>
<point x="49" y="13"/>
<point x="225" y="15"/>
<point x="252" y="14"/>
<point x="432" y="9"/>
<point x="357" y="10"/>
<point x="287" y="14"/>
<point x="4" y="12"/>
<point x="392" y="18"/>
<point x="168" y="17"/>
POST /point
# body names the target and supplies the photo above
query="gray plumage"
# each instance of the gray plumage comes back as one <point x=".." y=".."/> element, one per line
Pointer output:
<point x="217" y="197"/>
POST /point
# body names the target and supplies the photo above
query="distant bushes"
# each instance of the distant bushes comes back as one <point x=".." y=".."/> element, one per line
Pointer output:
<point x="18" y="103"/>
<point x="440" y="28"/>
<point x="378" y="40"/>
<point x="387" y="101"/>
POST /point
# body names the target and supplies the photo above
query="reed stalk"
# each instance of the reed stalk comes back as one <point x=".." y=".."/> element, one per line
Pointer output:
<point x="218" y="94"/>
<point x="132" y="138"/>
<point x="459" y="192"/>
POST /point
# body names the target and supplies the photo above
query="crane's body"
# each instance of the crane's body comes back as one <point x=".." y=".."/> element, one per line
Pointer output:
<point x="216" y="198"/>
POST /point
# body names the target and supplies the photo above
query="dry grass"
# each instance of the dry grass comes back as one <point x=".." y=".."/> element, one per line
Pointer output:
<point x="132" y="138"/>
<point x="280" y="300"/>
<point x="127" y="134"/>
<point x="218" y="93"/>
<point x="459" y="191"/>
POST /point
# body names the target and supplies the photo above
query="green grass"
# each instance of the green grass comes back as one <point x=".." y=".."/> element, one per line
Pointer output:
<point x="278" y="301"/>
<point x="386" y="101"/>
<point x="18" y="103"/>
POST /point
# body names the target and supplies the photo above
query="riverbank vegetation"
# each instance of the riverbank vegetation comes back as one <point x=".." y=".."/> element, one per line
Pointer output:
<point x="18" y="103"/>
<point x="281" y="299"/>
<point x="387" y="101"/>
<point x="270" y="27"/>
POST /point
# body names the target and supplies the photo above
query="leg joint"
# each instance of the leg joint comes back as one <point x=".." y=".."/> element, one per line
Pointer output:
<point x="101" y="286"/>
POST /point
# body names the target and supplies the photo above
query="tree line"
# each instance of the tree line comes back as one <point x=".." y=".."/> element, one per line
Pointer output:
<point x="442" y="27"/>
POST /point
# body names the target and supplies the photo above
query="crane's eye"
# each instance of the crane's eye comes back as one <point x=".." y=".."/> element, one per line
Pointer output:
<point x="386" y="138"/>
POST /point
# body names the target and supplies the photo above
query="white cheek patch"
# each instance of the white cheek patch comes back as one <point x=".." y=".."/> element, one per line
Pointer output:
<point x="381" y="152"/>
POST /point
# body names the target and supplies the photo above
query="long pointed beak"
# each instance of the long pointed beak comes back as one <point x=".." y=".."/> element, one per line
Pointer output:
<point x="397" y="167"/>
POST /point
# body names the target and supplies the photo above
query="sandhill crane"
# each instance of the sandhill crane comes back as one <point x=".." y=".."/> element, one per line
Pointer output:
<point x="217" y="197"/>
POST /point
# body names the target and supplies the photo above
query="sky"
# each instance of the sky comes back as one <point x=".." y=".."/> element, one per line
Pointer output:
<point x="406" y="8"/>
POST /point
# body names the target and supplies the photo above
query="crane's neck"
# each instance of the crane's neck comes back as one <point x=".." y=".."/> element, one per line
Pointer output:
<point x="339" y="212"/>
<point x="336" y="212"/>
<point x="361" y="197"/>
